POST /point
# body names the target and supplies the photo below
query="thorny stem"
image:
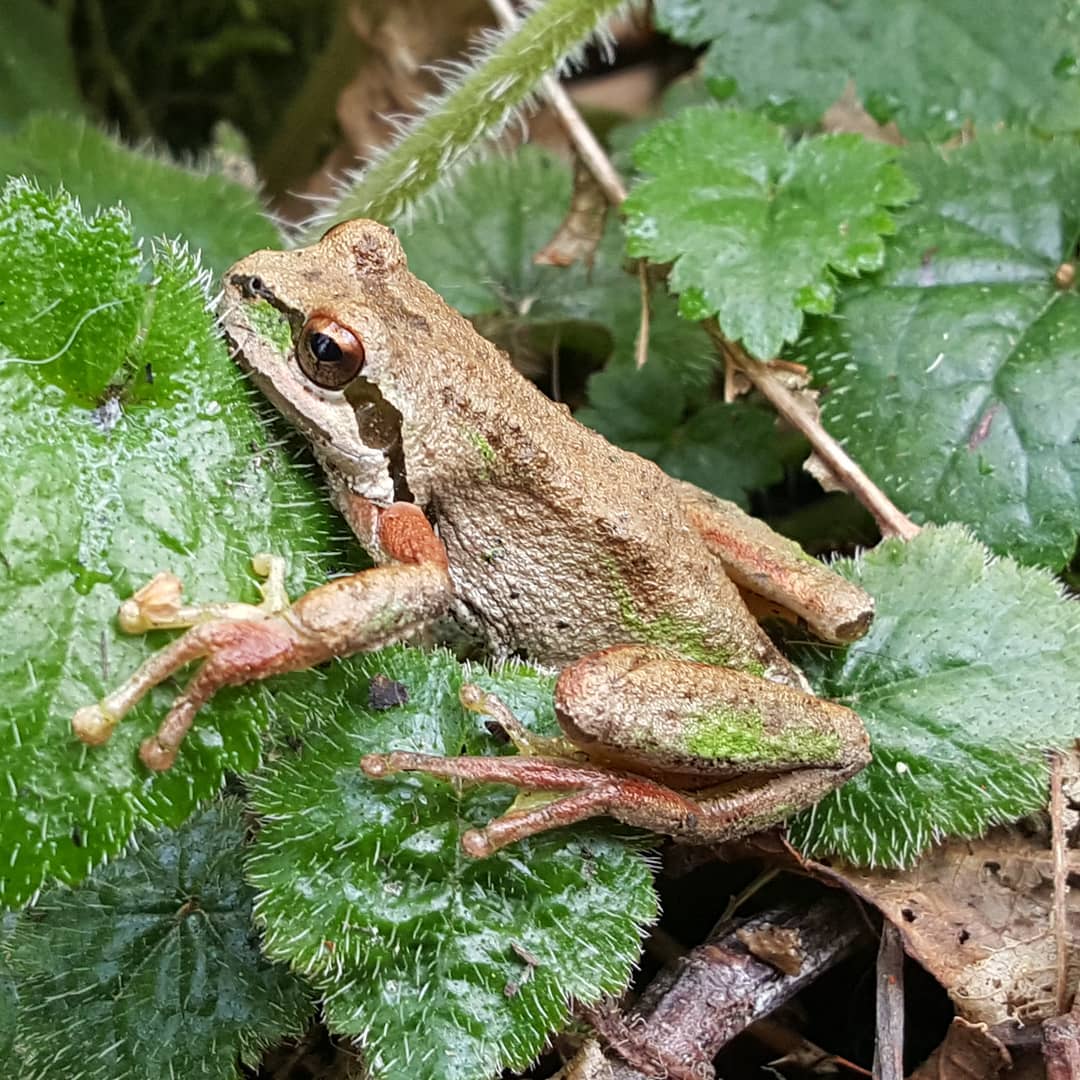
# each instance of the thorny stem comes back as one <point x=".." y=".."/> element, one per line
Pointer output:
<point x="479" y="105"/>
<point x="577" y="131"/>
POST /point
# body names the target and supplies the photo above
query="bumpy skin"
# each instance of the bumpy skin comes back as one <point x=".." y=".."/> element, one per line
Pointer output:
<point x="477" y="494"/>
<point x="559" y="543"/>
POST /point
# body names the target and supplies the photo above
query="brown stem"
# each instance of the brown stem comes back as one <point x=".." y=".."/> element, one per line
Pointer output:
<point x="889" y="1043"/>
<point x="890" y="519"/>
<point x="721" y="988"/>
<point x="1061" y="887"/>
<point x="577" y="131"/>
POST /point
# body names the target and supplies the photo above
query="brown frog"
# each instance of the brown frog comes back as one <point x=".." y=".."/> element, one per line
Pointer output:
<point x="479" y="497"/>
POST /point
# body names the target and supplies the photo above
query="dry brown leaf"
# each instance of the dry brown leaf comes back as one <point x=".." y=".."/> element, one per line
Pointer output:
<point x="968" y="1052"/>
<point x="977" y="915"/>
<point x="849" y="114"/>
<point x="580" y="232"/>
<point x="776" y="945"/>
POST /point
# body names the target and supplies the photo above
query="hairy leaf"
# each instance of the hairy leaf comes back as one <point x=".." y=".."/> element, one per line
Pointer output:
<point x="9" y="994"/>
<point x="152" y="967"/>
<point x="931" y="65"/>
<point x="952" y="375"/>
<point x="967" y="675"/>
<point x="130" y="446"/>
<point x="444" y="966"/>
<point x="212" y="214"/>
<point x="757" y="229"/>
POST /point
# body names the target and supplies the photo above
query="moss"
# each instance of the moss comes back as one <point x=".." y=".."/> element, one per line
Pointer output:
<point x="672" y="632"/>
<point x="726" y="734"/>
<point x="483" y="448"/>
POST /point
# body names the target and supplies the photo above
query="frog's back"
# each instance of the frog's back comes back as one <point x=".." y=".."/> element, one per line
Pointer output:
<point x="562" y="543"/>
<point x="559" y="542"/>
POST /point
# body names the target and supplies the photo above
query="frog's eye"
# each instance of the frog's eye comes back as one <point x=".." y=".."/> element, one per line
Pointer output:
<point x="330" y="354"/>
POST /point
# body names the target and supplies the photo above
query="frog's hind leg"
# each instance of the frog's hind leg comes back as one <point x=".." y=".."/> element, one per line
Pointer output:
<point x="638" y="718"/>
<point x="707" y="817"/>
<point x="773" y="573"/>
<point x="592" y="791"/>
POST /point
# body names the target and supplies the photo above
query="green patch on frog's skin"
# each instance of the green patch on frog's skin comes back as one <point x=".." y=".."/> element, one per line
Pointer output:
<point x="672" y="632"/>
<point x="483" y="448"/>
<point x="270" y="325"/>
<point x="739" y="735"/>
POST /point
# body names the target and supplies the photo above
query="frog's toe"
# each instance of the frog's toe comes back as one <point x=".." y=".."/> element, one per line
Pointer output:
<point x="93" y="725"/>
<point x="155" y="605"/>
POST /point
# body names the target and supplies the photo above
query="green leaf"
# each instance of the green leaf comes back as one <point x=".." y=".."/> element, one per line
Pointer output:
<point x="212" y="214"/>
<point x="952" y="376"/>
<point x="931" y="65"/>
<point x="967" y="675"/>
<point x="37" y="70"/>
<point x="446" y="967"/>
<point x="755" y="228"/>
<point x="474" y="245"/>
<point x="152" y="967"/>
<point x="112" y="478"/>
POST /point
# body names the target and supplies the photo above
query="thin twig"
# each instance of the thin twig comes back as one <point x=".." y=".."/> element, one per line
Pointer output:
<point x="577" y="131"/>
<point x="890" y="519"/>
<point x="721" y="988"/>
<point x="889" y="1044"/>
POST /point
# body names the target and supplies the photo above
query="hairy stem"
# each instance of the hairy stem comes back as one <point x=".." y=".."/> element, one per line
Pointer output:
<point x="478" y="106"/>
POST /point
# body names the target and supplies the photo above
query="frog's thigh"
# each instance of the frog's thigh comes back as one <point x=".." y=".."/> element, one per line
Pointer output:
<point x="770" y="566"/>
<point x="641" y="708"/>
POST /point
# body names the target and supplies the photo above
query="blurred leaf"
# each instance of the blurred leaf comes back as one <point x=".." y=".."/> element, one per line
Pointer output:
<point x="214" y="215"/>
<point x="36" y="67"/>
<point x="475" y="246"/>
<point x="444" y="966"/>
<point x="131" y="446"/>
<point x="952" y="374"/>
<point x="967" y="675"/>
<point x="756" y="229"/>
<point x="152" y="967"/>
<point x="931" y="65"/>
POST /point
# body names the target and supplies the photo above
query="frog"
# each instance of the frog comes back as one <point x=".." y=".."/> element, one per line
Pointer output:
<point x="482" y="501"/>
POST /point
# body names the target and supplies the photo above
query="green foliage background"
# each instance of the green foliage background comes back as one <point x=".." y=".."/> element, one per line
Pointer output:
<point x="925" y="287"/>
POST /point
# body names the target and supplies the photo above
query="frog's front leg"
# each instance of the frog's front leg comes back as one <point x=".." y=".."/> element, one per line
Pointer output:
<point x="695" y="751"/>
<point x="240" y="643"/>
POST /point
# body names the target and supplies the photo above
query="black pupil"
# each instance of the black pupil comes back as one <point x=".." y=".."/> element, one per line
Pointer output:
<point x="324" y="348"/>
